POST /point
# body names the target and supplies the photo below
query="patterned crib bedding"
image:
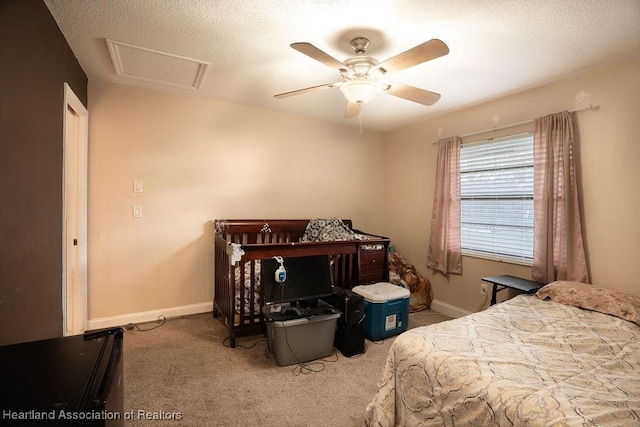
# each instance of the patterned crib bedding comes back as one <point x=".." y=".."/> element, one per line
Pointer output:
<point x="244" y="290"/>
<point x="524" y="362"/>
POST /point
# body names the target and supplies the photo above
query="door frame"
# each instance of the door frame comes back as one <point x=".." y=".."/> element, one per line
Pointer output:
<point x="74" y="243"/>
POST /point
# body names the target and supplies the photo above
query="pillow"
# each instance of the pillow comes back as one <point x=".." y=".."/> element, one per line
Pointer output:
<point x="608" y="301"/>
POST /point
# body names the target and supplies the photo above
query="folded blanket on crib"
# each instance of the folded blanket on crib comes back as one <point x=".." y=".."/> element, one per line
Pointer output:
<point x="328" y="230"/>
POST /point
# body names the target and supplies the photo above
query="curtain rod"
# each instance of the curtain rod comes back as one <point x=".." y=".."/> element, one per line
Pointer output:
<point x="588" y="107"/>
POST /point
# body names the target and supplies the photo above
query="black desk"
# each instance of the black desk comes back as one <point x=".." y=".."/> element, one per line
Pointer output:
<point x="306" y="312"/>
<point x="506" y="281"/>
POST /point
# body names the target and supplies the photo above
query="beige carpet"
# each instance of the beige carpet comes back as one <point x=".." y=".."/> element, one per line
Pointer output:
<point x="183" y="373"/>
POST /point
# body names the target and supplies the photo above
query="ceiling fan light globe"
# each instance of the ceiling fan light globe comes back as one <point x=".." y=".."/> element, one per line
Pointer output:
<point x="359" y="91"/>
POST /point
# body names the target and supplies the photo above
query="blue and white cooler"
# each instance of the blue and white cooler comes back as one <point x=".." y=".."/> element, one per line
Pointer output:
<point x="386" y="309"/>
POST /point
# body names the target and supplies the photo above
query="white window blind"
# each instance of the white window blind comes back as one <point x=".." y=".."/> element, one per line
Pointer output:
<point x="496" y="187"/>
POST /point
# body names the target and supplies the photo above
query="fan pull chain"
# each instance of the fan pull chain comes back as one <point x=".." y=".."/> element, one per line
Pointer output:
<point x="360" y="116"/>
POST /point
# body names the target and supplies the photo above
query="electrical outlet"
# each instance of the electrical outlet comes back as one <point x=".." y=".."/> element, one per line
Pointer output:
<point x="483" y="289"/>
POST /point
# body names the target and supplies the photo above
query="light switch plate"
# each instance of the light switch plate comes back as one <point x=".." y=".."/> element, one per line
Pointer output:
<point x="137" y="186"/>
<point x="137" y="211"/>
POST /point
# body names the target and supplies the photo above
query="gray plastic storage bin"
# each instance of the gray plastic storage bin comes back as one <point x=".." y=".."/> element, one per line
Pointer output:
<point x="302" y="340"/>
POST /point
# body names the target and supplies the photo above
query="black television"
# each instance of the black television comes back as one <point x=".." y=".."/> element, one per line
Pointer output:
<point x="307" y="279"/>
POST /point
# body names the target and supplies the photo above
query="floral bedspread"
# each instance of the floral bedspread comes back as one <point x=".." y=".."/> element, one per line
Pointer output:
<point x="524" y="362"/>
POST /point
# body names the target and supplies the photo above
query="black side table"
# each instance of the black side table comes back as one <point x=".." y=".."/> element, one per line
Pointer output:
<point x="506" y="281"/>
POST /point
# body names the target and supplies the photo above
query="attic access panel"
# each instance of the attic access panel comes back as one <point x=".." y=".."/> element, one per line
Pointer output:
<point x="154" y="66"/>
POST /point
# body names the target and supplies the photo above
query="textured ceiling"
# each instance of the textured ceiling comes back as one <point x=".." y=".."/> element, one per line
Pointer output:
<point x="496" y="46"/>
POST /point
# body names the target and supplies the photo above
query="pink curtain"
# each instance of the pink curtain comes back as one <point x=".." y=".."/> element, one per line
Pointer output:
<point x="444" y="243"/>
<point x="558" y="250"/>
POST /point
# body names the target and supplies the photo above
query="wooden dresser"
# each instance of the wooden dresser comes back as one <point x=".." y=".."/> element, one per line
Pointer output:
<point x="373" y="263"/>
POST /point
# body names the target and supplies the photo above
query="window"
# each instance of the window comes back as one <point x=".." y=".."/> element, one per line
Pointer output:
<point x="496" y="189"/>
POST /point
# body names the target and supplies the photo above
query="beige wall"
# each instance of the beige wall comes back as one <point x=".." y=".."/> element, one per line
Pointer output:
<point x="609" y="169"/>
<point x="201" y="160"/>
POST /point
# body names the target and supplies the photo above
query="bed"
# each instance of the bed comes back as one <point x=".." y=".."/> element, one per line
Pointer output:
<point x="566" y="356"/>
<point x="241" y="244"/>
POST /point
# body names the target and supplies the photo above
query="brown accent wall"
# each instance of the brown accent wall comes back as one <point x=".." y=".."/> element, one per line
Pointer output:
<point x="36" y="61"/>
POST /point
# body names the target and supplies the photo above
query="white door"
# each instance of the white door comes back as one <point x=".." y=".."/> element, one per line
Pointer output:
<point x="74" y="229"/>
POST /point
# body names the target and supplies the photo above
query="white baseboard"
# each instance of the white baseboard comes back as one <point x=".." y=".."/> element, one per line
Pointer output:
<point x="148" y="316"/>
<point x="185" y="310"/>
<point x="448" y="309"/>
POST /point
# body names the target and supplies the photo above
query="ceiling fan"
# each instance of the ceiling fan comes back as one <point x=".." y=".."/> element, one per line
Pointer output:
<point x="363" y="76"/>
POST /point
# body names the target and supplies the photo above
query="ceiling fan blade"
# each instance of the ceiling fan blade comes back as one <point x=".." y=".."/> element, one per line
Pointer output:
<point x="307" y="90"/>
<point x="424" y="52"/>
<point x="353" y="109"/>
<point x="414" y="94"/>
<point x="315" y="53"/>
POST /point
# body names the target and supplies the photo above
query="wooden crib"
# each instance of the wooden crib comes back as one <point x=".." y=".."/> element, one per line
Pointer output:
<point x="241" y="244"/>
